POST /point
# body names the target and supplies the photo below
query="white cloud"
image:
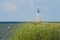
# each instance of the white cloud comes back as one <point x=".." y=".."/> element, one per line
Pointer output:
<point x="10" y="6"/>
<point x="32" y="3"/>
<point x="7" y="5"/>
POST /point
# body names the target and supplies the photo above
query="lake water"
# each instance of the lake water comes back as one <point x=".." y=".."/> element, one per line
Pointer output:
<point x="5" y="27"/>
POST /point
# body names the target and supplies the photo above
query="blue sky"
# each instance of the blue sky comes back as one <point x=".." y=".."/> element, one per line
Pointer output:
<point x="24" y="10"/>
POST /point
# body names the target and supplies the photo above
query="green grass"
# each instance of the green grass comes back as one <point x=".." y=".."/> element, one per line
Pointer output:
<point x="36" y="31"/>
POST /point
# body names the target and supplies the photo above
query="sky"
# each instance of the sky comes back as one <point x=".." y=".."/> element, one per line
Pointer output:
<point x="25" y="10"/>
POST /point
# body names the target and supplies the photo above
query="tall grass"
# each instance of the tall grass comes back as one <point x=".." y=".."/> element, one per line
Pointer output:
<point x="42" y="31"/>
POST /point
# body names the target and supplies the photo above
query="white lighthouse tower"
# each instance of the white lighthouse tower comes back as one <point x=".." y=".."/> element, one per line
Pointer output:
<point x="37" y="19"/>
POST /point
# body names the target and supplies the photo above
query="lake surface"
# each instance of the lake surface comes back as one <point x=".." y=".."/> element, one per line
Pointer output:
<point x="5" y="27"/>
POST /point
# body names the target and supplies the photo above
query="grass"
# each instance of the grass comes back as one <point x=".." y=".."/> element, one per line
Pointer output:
<point x="36" y="31"/>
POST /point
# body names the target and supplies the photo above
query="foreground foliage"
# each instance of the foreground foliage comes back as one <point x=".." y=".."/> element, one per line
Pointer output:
<point x="41" y="31"/>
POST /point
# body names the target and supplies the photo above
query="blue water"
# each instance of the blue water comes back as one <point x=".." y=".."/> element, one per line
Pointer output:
<point x="9" y="22"/>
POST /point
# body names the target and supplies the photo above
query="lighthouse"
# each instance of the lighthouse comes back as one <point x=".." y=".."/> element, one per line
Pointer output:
<point x="37" y="19"/>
